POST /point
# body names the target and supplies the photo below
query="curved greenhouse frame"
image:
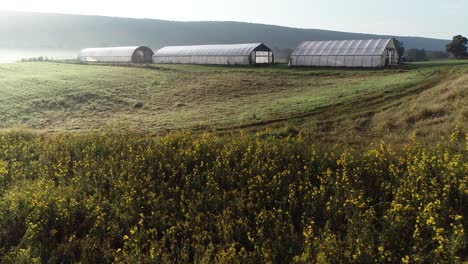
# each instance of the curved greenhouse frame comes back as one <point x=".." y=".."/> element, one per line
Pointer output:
<point x="374" y="53"/>
<point x="136" y="54"/>
<point x="231" y="54"/>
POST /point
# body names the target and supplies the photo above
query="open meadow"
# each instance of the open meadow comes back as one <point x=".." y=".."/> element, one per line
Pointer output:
<point x="429" y="97"/>
<point x="203" y="164"/>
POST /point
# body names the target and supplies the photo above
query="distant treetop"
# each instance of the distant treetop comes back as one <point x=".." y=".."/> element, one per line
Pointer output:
<point x="458" y="47"/>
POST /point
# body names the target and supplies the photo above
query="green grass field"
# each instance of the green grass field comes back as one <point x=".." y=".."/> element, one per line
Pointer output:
<point x="72" y="97"/>
<point x="91" y="180"/>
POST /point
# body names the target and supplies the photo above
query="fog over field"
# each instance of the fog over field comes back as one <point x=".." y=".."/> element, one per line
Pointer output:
<point x="13" y="55"/>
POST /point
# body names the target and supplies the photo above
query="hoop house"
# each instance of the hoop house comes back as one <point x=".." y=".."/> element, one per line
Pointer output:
<point x="137" y="54"/>
<point x="374" y="53"/>
<point x="232" y="54"/>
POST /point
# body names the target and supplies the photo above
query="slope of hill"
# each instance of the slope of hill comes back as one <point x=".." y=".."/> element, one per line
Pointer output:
<point x="187" y="197"/>
<point x="54" y="97"/>
<point x="33" y="30"/>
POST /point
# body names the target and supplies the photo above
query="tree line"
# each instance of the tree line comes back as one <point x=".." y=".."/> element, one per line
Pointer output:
<point x="457" y="49"/>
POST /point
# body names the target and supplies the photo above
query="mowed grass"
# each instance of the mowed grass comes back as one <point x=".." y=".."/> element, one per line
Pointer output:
<point x="58" y="96"/>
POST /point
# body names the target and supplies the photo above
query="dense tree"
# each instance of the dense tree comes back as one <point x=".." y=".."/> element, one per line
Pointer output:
<point x="416" y="55"/>
<point x="400" y="47"/>
<point x="437" y="55"/>
<point x="458" y="47"/>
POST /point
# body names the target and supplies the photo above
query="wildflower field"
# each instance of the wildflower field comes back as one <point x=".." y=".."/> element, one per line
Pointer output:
<point x="124" y="197"/>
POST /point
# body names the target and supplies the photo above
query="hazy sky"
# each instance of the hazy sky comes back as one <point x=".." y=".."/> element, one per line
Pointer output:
<point x="428" y="18"/>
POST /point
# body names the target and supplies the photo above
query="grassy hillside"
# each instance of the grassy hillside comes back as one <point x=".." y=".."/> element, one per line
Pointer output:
<point x="33" y="30"/>
<point x="53" y="97"/>
<point x="442" y="108"/>
<point x="129" y="196"/>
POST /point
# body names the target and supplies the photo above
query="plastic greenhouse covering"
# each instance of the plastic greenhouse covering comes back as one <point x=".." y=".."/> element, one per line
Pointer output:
<point x="134" y="54"/>
<point x="230" y="54"/>
<point x="345" y="53"/>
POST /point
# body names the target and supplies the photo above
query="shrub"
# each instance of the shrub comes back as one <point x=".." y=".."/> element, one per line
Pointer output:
<point x="123" y="197"/>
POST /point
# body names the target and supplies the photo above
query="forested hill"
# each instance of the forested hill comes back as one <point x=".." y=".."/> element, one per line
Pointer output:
<point x="34" y="30"/>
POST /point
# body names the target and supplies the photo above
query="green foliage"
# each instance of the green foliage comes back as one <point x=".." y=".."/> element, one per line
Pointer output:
<point x="437" y="55"/>
<point x="400" y="47"/>
<point x="125" y="197"/>
<point x="413" y="55"/>
<point x="458" y="47"/>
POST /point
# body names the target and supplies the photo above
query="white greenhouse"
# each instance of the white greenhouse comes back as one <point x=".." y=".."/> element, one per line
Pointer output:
<point x="231" y="54"/>
<point x="137" y="54"/>
<point x="374" y="53"/>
